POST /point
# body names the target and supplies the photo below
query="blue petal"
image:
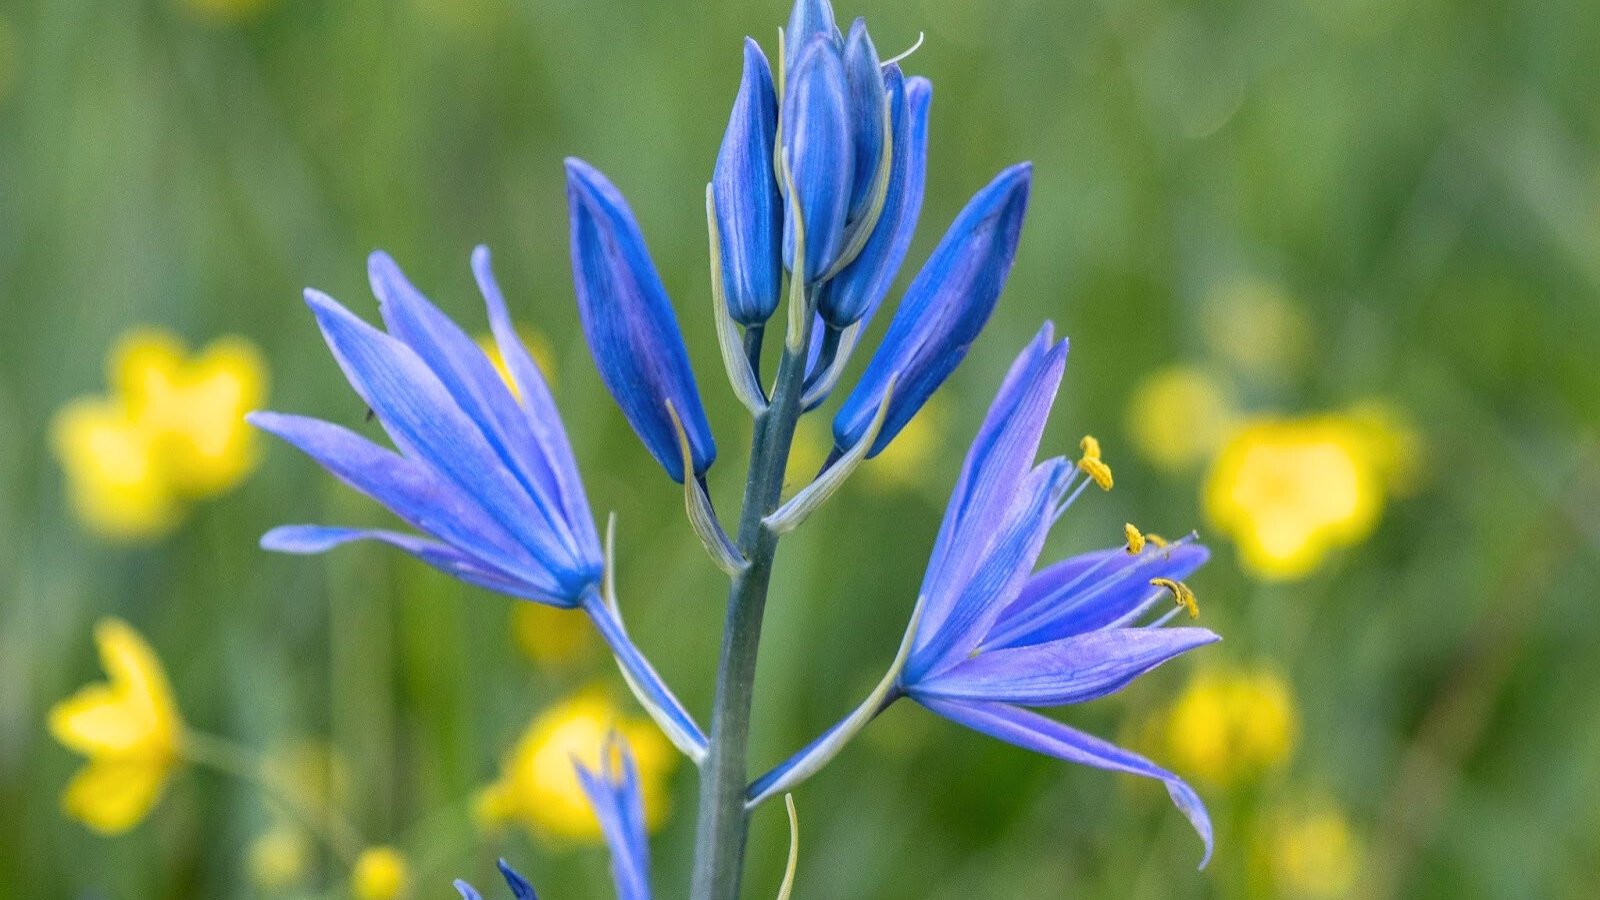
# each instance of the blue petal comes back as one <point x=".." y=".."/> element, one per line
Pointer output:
<point x="411" y="490"/>
<point x="1091" y="591"/>
<point x="816" y="139"/>
<point x="749" y="208"/>
<point x="629" y="323"/>
<point x="308" y="539"/>
<point x="426" y="424"/>
<point x="467" y="891"/>
<point x="520" y="888"/>
<point x="944" y="309"/>
<point x="1000" y="457"/>
<point x="1071" y="670"/>
<point x="856" y="292"/>
<point x="864" y="77"/>
<point x="655" y="689"/>
<point x="975" y="595"/>
<point x="1041" y="734"/>
<point x="808" y="19"/>
<point x="613" y="792"/>
<point x="538" y="406"/>
<point x="461" y="366"/>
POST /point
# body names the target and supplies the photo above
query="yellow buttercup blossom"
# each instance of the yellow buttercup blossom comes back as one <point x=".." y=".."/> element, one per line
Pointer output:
<point x="129" y="729"/>
<point x="1231" y="724"/>
<point x="380" y="873"/>
<point x="1178" y="416"/>
<point x="1289" y="491"/>
<point x="279" y="859"/>
<point x="171" y="429"/>
<point x="538" y="786"/>
<point x="552" y="638"/>
<point x="1314" y="855"/>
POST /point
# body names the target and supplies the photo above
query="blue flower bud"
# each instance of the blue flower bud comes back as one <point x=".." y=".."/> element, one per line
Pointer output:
<point x="868" y="103"/>
<point x="807" y="20"/>
<point x="749" y="208"/>
<point x="629" y="323"/>
<point x="942" y="312"/>
<point x="817" y="142"/>
<point x="854" y="294"/>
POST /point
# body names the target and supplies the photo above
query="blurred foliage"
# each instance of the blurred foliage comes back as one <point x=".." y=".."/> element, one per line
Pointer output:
<point x="1328" y="200"/>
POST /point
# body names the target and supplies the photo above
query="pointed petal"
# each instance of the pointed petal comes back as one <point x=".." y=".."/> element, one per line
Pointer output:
<point x="856" y="292"/>
<point x="467" y="891"/>
<point x="943" y="311"/>
<point x="1091" y="591"/>
<point x="613" y="792"/>
<point x="520" y="888"/>
<point x="868" y="102"/>
<point x="651" y="691"/>
<point x="749" y="210"/>
<point x="1071" y="670"/>
<point x="808" y="19"/>
<point x="1041" y="734"/>
<point x="628" y="321"/>
<point x="817" y="140"/>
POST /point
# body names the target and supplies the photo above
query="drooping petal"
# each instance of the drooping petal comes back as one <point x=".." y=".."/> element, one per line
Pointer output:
<point x="856" y="292"/>
<point x="1000" y="457"/>
<point x="410" y="489"/>
<point x="1090" y="591"/>
<point x="808" y="19"/>
<point x="749" y="209"/>
<point x="943" y="311"/>
<point x="538" y="405"/>
<point x="628" y="321"/>
<point x="613" y="791"/>
<point x="1041" y="734"/>
<point x="817" y="144"/>
<point x="1071" y="670"/>
<point x="868" y="103"/>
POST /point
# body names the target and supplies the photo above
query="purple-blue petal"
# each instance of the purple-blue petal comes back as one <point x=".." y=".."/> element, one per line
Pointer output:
<point x="613" y="792"/>
<point x="628" y="321"/>
<point x="745" y="191"/>
<point x="1042" y="734"/>
<point x="864" y="76"/>
<point x="808" y="19"/>
<point x="942" y="313"/>
<point x="520" y="888"/>
<point x="817" y="142"/>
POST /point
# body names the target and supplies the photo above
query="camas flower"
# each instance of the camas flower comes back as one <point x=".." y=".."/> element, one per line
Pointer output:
<point x="128" y="727"/>
<point x="485" y="472"/>
<point x="992" y="636"/>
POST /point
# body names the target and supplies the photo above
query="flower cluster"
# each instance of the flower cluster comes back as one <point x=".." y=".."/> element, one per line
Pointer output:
<point x="170" y="430"/>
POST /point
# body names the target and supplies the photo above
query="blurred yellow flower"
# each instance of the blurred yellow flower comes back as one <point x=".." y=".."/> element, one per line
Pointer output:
<point x="552" y="638"/>
<point x="538" y="786"/>
<point x="1288" y="491"/>
<point x="129" y="729"/>
<point x="171" y="429"/>
<point x="380" y="873"/>
<point x="1178" y="416"/>
<point x="903" y="465"/>
<point x="539" y="348"/>
<point x="1256" y="327"/>
<point x="1231" y="724"/>
<point x="1314" y="855"/>
<point x="279" y="858"/>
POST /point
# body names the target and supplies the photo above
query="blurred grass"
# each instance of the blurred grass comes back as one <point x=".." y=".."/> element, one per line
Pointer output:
<point x="1421" y="178"/>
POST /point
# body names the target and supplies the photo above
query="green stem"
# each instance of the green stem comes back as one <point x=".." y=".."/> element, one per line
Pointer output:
<point x="719" y="844"/>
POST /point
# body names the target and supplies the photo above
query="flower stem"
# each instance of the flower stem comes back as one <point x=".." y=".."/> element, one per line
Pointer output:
<point x="719" y="844"/>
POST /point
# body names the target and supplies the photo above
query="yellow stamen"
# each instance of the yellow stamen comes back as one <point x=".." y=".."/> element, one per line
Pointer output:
<point x="1180" y="593"/>
<point x="1091" y="447"/>
<point x="1156" y="539"/>
<point x="1092" y="465"/>
<point x="1135" y="539"/>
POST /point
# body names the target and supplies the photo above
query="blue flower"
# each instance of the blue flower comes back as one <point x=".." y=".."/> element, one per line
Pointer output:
<point x="613" y="791"/>
<point x="630" y="326"/>
<point x="942" y="312"/>
<point x="487" y="475"/>
<point x="992" y="636"/>
<point x="520" y="888"/>
<point x="748" y="206"/>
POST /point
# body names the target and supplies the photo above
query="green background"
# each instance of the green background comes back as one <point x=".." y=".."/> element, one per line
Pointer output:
<point x="1421" y="177"/>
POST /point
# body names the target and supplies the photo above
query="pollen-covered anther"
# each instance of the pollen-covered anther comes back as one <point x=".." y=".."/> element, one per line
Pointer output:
<point x="1092" y="465"/>
<point x="1157" y="540"/>
<point x="1181" y="594"/>
<point x="1136" y="539"/>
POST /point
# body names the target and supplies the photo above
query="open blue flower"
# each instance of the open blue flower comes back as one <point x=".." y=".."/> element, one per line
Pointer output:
<point x="992" y="636"/>
<point x="484" y="472"/>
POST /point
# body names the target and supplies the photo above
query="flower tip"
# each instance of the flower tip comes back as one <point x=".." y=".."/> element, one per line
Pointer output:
<point x="480" y="256"/>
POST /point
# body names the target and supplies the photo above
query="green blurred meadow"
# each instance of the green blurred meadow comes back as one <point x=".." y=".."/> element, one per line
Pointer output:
<point x="1415" y="183"/>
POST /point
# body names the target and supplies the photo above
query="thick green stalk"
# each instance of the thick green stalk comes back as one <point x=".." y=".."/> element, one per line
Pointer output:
<point x="719" y="844"/>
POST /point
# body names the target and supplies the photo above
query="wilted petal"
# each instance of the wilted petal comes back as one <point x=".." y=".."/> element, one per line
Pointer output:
<point x="749" y="208"/>
<point x="629" y="323"/>
<point x="868" y="102"/>
<point x="943" y="310"/>
<point x="855" y="293"/>
<point x="1041" y="734"/>
<point x="817" y="142"/>
<point x="1071" y="670"/>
